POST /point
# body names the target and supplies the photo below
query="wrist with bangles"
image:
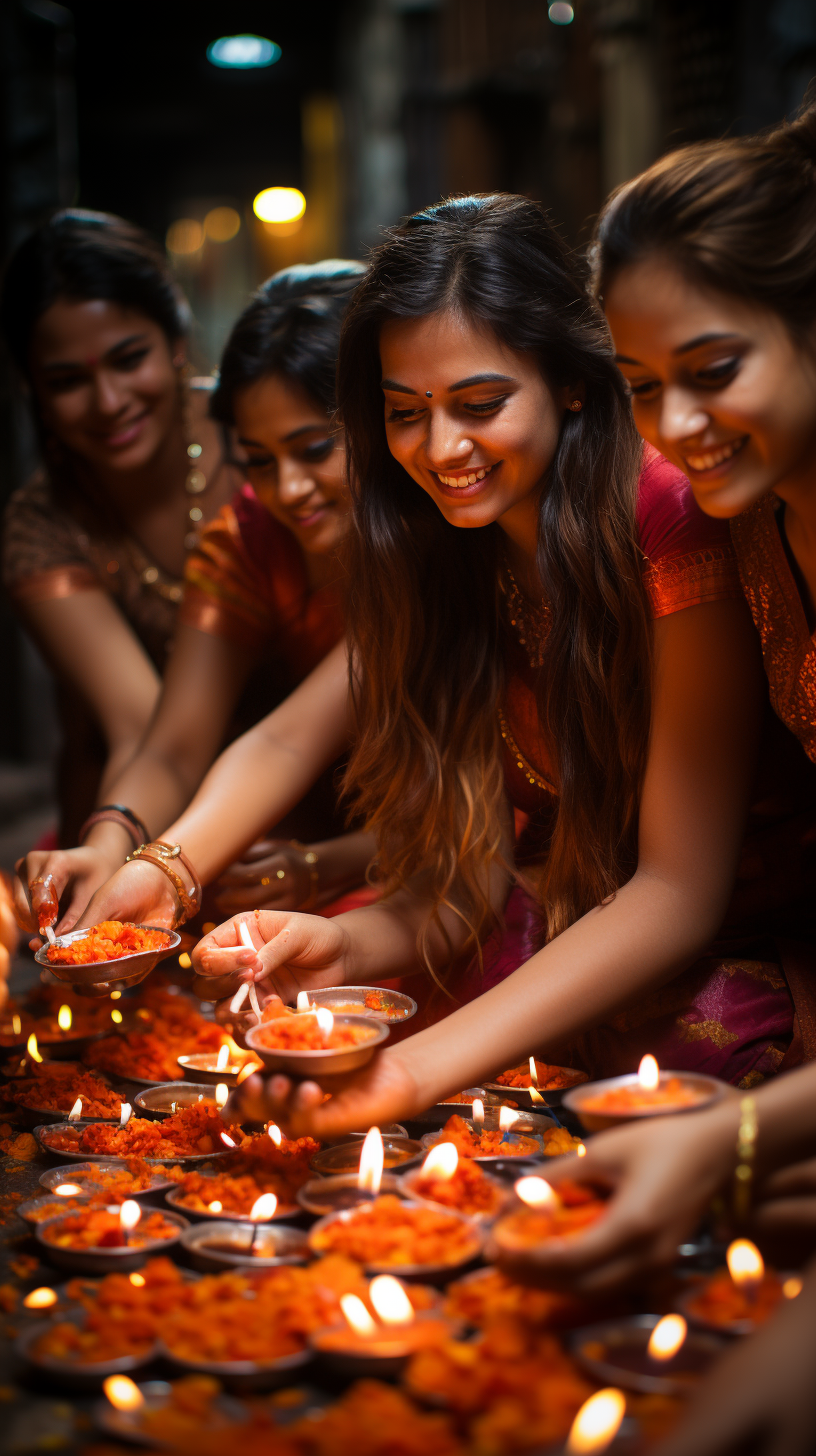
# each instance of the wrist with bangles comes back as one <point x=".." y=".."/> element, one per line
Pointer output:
<point x="165" y="856"/>
<point x="312" y="861"/>
<point x="116" y="814"/>
<point x="746" y="1154"/>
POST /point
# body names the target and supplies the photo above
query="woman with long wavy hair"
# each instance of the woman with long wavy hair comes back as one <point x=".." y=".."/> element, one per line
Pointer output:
<point x="541" y="618"/>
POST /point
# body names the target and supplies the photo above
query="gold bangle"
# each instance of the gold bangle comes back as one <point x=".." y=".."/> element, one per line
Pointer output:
<point x="312" y="861"/>
<point x="160" y="854"/>
<point x="746" y="1152"/>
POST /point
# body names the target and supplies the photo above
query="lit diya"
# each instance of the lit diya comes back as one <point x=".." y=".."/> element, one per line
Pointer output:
<point x="736" y="1300"/>
<point x="228" y="1065"/>
<point x="454" y="1182"/>
<point x="647" y="1353"/>
<point x="118" y="1177"/>
<point x="380" y="1344"/>
<point x="417" y="1239"/>
<point x="649" y="1092"/>
<point x="372" y="1001"/>
<point x="344" y="1157"/>
<point x="546" y="1214"/>
<point x="501" y="1132"/>
<point x="196" y="1132"/>
<point x="96" y="1240"/>
<point x="222" y="1244"/>
<point x="58" y="1088"/>
<point x="537" y="1084"/>
<point x="170" y="1097"/>
<point x="109" y="956"/>
<point x="325" y="1195"/>
<point x="316" y="1042"/>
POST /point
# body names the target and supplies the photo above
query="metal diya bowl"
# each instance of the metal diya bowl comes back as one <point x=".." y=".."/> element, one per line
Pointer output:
<point x="81" y="1376"/>
<point x="390" y="1351"/>
<point x="200" y="1067"/>
<point x="330" y="1195"/>
<point x="397" y="1008"/>
<point x="423" y="1273"/>
<point x="614" y="1353"/>
<point x="242" y="1376"/>
<point x="709" y="1090"/>
<point x="86" y="1175"/>
<point x="185" y="1160"/>
<point x="65" y="1048"/>
<point x="122" y="1260"/>
<point x="685" y="1304"/>
<point x="127" y="1425"/>
<point x="99" y="978"/>
<point x="529" y="1125"/>
<point x="169" y="1097"/>
<point x="388" y="1129"/>
<point x="345" y="1157"/>
<point x="552" y="1096"/>
<point x="29" y="1210"/>
<point x="329" y="1062"/>
<point x="408" y="1188"/>
<point x="200" y="1215"/>
<point x="225" y="1244"/>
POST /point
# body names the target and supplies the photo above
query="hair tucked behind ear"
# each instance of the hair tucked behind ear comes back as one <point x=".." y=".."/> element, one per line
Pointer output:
<point x="424" y="617"/>
<point x="737" y="215"/>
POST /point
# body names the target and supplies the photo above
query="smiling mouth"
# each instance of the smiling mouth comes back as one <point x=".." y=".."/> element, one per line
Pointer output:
<point x="710" y="459"/>
<point x="302" y="517"/>
<point x="460" y="481"/>
<point x="123" y="430"/>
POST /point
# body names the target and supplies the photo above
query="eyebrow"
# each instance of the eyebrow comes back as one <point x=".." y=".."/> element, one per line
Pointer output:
<point x="80" y="363"/>
<point x="293" y="435"/>
<point x="688" y="348"/>
<point x="461" y="384"/>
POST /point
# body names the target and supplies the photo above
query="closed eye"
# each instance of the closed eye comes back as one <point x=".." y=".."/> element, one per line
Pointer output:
<point x="716" y="373"/>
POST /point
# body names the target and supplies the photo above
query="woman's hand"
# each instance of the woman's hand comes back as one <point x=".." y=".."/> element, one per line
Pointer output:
<point x="139" y="891"/>
<point x="292" y="952"/>
<point x="662" y="1176"/>
<point x="273" y="875"/>
<point x="762" y="1394"/>
<point x="382" y="1091"/>
<point x="77" y="874"/>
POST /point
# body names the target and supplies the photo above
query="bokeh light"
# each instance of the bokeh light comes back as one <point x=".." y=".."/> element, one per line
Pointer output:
<point x="279" y="204"/>
<point x="243" y="52"/>
<point x="561" y="14"/>
<point x="221" y="224"/>
<point x="184" y="236"/>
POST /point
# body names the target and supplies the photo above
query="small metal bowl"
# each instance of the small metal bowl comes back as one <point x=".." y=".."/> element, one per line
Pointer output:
<point x="185" y="1160"/>
<point x="66" y="1048"/>
<point x="330" y="1195"/>
<point x="345" y="1157"/>
<point x="279" y="1243"/>
<point x="311" y="1064"/>
<point x="398" y="1008"/>
<point x="242" y="1376"/>
<point x="107" y="1261"/>
<point x="407" y="1183"/>
<point x="530" y="1125"/>
<point x="86" y="1174"/>
<point x="388" y="1129"/>
<point x="127" y="1425"/>
<point x="200" y="1067"/>
<point x="421" y="1273"/>
<point x="710" y="1090"/>
<point x="80" y="1376"/>
<point x="627" y="1364"/>
<point x="28" y="1211"/>
<point x="552" y="1096"/>
<point x="169" y="1097"/>
<point x="396" y="1346"/>
<point x="99" y="978"/>
<point x="737" y="1327"/>
<point x="198" y="1215"/>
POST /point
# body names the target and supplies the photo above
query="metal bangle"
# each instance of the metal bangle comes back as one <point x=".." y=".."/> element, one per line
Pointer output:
<point x="746" y="1153"/>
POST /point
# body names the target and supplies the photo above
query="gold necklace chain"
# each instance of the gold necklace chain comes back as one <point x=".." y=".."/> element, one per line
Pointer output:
<point x="532" y="629"/>
<point x="526" y="767"/>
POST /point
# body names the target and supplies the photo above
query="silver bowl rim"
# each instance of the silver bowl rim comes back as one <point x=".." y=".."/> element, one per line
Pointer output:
<point x="115" y="1423"/>
<point x="290" y="1210"/>
<point x="41" y="956"/>
<point x="386" y="1137"/>
<point x="345" y="1180"/>
<point x="117" y="1253"/>
<point x="657" y="1384"/>
<point x="82" y="1369"/>
<point x="406" y="1271"/>
<point x="321" y="1060"/>
<point x="399" y="998"/>
<point x="203" y="1087"/>
<point x="184" y="1159"/>
<point x="71" y="1173"/>
<point x="196" y="1236"/>
<point x="715" y="1087"/>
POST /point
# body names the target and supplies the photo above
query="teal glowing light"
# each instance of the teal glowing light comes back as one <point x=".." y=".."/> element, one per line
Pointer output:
<point x="561" y="14"/>
<point x="243" y="52"/>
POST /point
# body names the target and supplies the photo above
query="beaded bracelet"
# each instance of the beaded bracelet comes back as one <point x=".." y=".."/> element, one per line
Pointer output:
<point x="116" y="814"/>
<point x="159" y="853"/>
<point x="746" y="1152"/>
<point x="312" y="861"/>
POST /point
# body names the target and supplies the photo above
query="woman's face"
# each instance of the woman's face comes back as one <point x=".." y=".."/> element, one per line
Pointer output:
<point x="718" y="385"/>
<point x="472" y="421"/>
<point x="105" y="382"/>
<point x="295" y="463"/>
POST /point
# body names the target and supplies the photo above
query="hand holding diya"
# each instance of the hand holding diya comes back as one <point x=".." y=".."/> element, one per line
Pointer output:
<point x="647" y="1093"/>
<point x="306" y="1045"/>
<point x="380" y="1345"/>
<point x="546" y="1214"/>
<point x="737" y="1299"/>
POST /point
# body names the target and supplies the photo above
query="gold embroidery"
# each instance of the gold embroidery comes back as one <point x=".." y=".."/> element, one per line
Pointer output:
<point x="705" y="1031"/>
<point x="526" y="767"/>
<point x="751" y="1079"/>
<point x="788" y="649"/>
<point x="689" y="579"/>
<point x="758" y="971"/>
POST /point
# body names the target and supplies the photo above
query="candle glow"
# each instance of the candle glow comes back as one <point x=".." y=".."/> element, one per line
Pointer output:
<point x="216" y="1206"/>
<point x="745" y="1263"/>
<point x="533" y="1072"/>
<point x="16" y="1024"/>
<point x="275" y="1133"/>
<point x="129" y="1215"/>
<point x="372" y="1160"/>
<point x="137" y="1280"/>
<point x="667" y="1337"/>
<point x="356" y="1315"/>
<point x="477" y="1112"/>
<point x="33" y="1049"/>
<point x="64" y="1018"/>
<point x="390" y="1300"/>
<point x="76" y="1110"/>
<point x="597" y="1422"/>
<point x="221" y="1094"/>
<point x="792" y="1287"/>
<point x="222" y="1058"/>
<point x="263" y="1207"/>
<point x="535" y="1096"/>
<point x="506" y="1118"/>
<point x="441" y="1162"/>
<point x="325" y="1021"/>
<point x="302" y="1002"/>
<point x="116" y="1017"/>
<point x="68" y="1190"/>
<point x="41" y="1298"/>
<point x="225" y="1138"/>
<point x="124" y="1115"/>
<point x="649" y="1073"/>
<point x="537" y="1192"/>
<point x="122" y="1393"/>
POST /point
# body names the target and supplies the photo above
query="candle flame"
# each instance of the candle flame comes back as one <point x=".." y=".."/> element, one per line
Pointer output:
<point x="441" y="1162"/>
<point x="115" y="995"/>
<point x="33" y="1049"/>
<point x="124" y="1115"/>
<point x="129" y="1214"/>
<point x="41" y="1298"/>
<point x="216" y="1206"/>
<point x="64" y="1018"/>
<point x="390" y="1300"/>
<point x="325" y="1021"/>
<point x="357" y="1315"/>
<point x="597" y="1422"/>
<point x="247" y="1071"/>
<point x="302" y="1002"/>
<point x="137" y="1280"/>
<point x="537" y="1193"/>
<point x="649" y="1073"/>
<point x="243" y="931"/>
<point x="122" y="1393"/>
<point x="225" y="1138"/>
<point x="792" y="1287"/>
<point x="667" y="1337"/>
<point x="221" y="1094"/>
<point x="116" y="1016"/>
<point x="507" y="1117"/>
<point x="535" y="1096"/>
<point x="76" y="1110"/>
<point x="745" y="1263"/>
<point x="16" y="1024"/>
<point x="372" y="1159"/>
<point x="477" y="1111"/>
<point x="68" y="1190"/>
<point x="275" y="1133"/>
<point x="263" y="1207"/>
<point x="580" y="1151"/>
<point x="223" y="1058"/>
<point x="533" y="1072"/>
<point x="240" y="997"/>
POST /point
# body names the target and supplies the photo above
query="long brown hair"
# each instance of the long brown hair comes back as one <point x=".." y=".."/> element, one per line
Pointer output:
<point x="738" y="216"/>
<point x="424" y="612"/>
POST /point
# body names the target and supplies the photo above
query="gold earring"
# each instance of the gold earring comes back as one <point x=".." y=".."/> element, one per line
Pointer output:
<point x="576" y="404"/>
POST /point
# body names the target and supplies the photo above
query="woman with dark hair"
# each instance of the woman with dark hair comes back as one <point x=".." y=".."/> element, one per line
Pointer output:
<point x="95" y="542"/>
<point x="261" y="587"/>
<point x="540" y="615"/>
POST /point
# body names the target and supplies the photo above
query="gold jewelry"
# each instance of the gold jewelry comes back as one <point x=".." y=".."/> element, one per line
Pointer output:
<point x="746" y="1153"/>
<point x="576" y="404"/>
<point x="159" y="853"/>
<point x="527" y="768"/>
<point x="312" y="861"/>
<point x="532" y="630"/>
<point x="265" y="880"/>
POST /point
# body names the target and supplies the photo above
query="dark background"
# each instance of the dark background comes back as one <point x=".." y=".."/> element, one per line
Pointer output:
<point x="374" y="108"/>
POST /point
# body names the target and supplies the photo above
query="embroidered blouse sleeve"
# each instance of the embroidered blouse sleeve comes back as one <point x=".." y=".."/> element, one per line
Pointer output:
<point x="45" y="554"/>
<point x="688" y="557"/>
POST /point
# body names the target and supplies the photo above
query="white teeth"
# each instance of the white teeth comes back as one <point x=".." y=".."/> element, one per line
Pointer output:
<point x="460" y="481"/>
<point x="713" y="457"/>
